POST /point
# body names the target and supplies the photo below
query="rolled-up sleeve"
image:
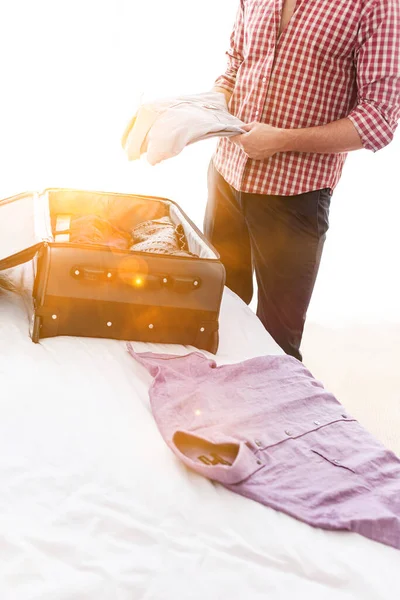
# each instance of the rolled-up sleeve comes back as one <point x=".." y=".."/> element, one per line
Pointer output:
<point x="235" y="52"/>
<point x="377" y="60"/>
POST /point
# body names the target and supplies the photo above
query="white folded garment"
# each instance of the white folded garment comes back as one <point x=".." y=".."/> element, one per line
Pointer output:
<point x="163" y="128"/>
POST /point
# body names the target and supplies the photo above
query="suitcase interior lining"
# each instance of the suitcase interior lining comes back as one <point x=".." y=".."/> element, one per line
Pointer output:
<point x="194" y="241"/>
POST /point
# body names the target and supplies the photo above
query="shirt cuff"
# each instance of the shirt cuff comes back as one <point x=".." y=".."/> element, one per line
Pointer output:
<point x="245" y="463"/>
<point x="373" y="129"/>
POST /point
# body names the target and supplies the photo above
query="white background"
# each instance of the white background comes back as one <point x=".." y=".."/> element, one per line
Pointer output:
<point x="72" y="73"/>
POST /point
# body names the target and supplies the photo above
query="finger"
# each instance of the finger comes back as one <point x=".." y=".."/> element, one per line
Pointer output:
<point x="248" y="126"/>
<point x="236" y="139"/>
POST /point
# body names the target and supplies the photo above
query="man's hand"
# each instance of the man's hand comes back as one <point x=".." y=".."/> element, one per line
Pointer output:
<point x="223" y="91"/>
<point x="261" y="141"/>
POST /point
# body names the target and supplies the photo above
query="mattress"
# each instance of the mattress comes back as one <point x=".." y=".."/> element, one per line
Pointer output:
<point x="95" y="506"/>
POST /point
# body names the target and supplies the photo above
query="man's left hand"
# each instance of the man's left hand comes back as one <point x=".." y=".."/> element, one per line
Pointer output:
<point x="260" y="140"/>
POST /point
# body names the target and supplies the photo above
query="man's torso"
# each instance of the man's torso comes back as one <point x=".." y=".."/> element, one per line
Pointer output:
<point x="298" y="71"/>
<point x="288" y="9"/>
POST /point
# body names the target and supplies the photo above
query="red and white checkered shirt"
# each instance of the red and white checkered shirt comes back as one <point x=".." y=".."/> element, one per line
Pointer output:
<point x="335" y="59"/>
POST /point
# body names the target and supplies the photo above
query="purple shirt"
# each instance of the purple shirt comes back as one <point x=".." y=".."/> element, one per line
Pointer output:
<point x="266" y="429"/>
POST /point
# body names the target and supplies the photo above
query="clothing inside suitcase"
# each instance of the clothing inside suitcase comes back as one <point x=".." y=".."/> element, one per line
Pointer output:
<point x="122" y="212"/>
<point x="97" y="290"/>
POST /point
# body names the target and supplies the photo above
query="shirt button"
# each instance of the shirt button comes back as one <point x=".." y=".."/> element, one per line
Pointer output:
<point x="336" y="461"/>
<point x="317" y="423"/>
<point x="258" y="443"/>
<point x="257" y="113"/>
<point x="264" y="79"/>
<point x="288" y="432"/>
<point x="259" y="462"/>
<point x="344" y="416"/>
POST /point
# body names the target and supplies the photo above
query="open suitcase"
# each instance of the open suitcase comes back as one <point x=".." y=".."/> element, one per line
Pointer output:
<point x="101" y="291"/>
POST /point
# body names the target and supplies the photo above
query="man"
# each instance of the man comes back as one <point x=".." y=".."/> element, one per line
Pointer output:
<point x="313" y="80"/>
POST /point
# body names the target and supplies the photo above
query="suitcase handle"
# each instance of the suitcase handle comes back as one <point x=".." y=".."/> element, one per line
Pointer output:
<point x="90" y="274"/>
<point x="96" y="275"/>
<point x="186" y="284"/>
<point x="179" y="283"/>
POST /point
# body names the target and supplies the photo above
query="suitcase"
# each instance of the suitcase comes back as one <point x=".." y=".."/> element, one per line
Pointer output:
<point x="101" y="291"/>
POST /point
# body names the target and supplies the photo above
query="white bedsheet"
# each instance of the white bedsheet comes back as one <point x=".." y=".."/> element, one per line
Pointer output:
<point x="94" y="506"/>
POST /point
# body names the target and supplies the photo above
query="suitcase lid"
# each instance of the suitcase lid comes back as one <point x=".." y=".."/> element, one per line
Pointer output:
<point x="24" y="227"/>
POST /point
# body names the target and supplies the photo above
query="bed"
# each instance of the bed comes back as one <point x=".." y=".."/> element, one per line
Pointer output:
<point x="95" y="506"/>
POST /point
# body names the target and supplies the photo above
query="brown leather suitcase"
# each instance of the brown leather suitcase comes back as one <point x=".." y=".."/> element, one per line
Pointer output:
<point x="101" y="291"/>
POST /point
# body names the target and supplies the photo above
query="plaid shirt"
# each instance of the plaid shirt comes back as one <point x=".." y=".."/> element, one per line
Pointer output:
<point x="335" y="59"/>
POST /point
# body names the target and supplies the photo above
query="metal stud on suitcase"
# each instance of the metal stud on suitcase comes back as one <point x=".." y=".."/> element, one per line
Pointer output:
<point x="100" y="291"/>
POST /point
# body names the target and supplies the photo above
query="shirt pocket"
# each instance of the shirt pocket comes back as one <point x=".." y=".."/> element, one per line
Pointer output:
<point x="328" y="456"/>
<point x="347" y="445"/>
